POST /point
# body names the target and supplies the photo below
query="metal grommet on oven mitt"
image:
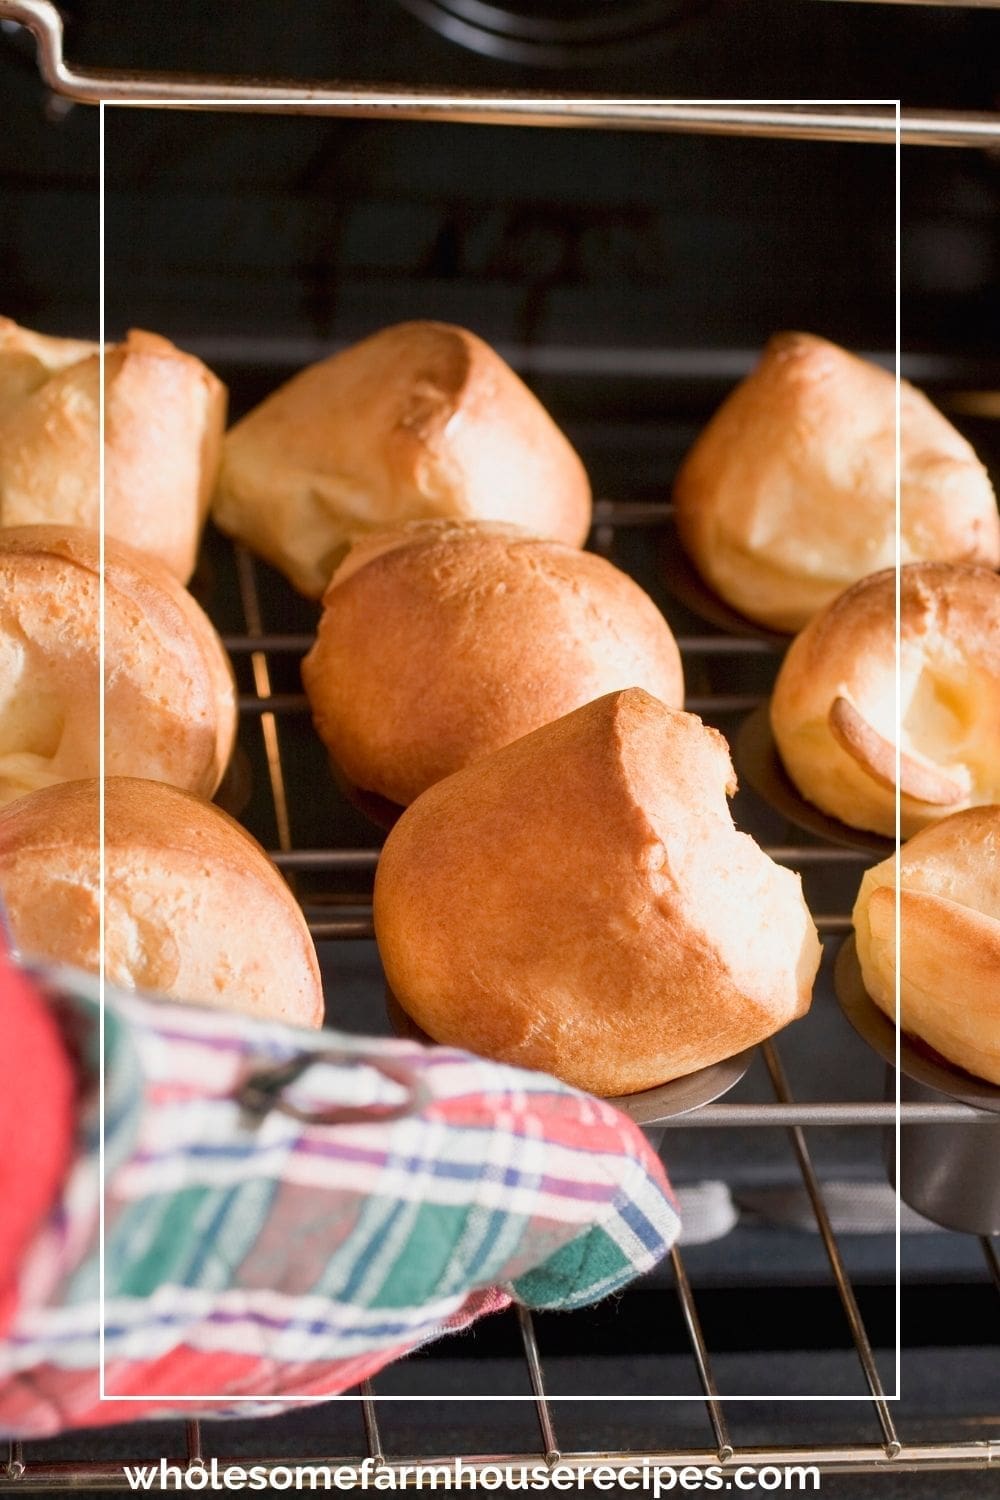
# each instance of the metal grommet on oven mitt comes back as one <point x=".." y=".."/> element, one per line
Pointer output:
<point x="269" y="1090"/>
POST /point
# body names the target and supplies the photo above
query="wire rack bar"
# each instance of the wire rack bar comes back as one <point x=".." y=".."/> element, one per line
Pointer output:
<point x="192" y="1442"/>
<point x="344" y="929"/>
<point x="812" y="854"/>
<point x="246" y="574"/>
<point x="278" y="645"/>
<point x="843" y="1113"/>
<point x="911" y="1458"/>
<point x="526" y="1326"/>
<point x="367" y="859"/>
<point x="369" y="1416"/>
<point x="989" y="1244"/>
<point x="269" y="704"/>
<point x="821" y="120"/>
<point x="692" y="645"/>
<point x="632" y="512"/>
<point x="611" y="362"/>
<point x="325" y="859"/>
<point x="857" y="125"/>
<point x="702" y="1359"/>
<point x="356" y="906"/>
<point x="845" y="1290"/>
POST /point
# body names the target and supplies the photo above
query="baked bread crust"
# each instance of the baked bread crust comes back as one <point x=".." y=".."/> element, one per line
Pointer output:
<point x="170" y="703"/>
<point x="29" y="359"/>
<point x="789" y="494"/>
<point x="194" y="909"/>
<point x="484" y="633"/>
<point x="419" y="420"/>
<point x="949" y="879"/>
<point x="164" y="417"/>
<point x="950" y="678"/>
<point x="580" y="902"/>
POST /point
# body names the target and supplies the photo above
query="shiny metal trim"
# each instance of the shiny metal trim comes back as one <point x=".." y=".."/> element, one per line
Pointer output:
<point x="821" y="120"/>
<point x="703" y="1362"/>
<point x="845" y="1290"/>
<point x="861" y="1458"/>
<point x="529" y="1339"/>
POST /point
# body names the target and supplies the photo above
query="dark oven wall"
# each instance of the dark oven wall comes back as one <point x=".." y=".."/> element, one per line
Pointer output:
<point x="312" y="229"/>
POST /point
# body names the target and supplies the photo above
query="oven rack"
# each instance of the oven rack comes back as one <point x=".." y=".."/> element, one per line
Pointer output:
<point x="270" y="707"/>
<point x="819" y="120"/>
<point x="887" y="1450"/>
<point x="785" y="1112"/>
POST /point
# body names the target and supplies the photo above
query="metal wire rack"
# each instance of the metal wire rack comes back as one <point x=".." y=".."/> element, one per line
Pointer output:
<point x="829" y="120"/>
<point x="263" y="657"/>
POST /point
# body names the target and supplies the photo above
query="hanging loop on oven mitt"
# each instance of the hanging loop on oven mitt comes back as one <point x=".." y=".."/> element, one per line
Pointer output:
<point x="285" y="1212"/>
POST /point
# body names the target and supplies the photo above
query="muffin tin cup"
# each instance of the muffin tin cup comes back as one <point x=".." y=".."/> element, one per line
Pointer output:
<point x="950" y="1173"/>
<point x="650" y="1108"/>
<point x="759" y="765"/>
<point x="378" y="810"/>
<point x="689" y="588"/>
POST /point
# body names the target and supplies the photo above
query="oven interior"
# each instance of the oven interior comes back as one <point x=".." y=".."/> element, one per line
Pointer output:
<point x="631" y="279"/>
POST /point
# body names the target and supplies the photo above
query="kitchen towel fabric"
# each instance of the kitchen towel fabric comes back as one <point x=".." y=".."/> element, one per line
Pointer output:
<point x="285" y="1211"/>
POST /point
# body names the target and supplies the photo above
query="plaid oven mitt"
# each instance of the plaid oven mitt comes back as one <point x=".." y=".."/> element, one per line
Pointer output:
<point x="288" y="1211"/>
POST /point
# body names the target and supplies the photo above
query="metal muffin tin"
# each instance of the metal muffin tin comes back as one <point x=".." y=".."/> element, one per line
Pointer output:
<point x="649" y="1108"/>
<point x="376" y="808"/>
<point x="759" y="764"/>
<point x="950" y="1173"/>
<point x="687" y="585"/>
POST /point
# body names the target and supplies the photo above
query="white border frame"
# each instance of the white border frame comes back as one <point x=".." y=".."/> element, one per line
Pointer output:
<point x="262" y="106"/>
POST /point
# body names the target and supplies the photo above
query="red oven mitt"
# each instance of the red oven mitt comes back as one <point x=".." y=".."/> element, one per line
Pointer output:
<point x="285" y="1211"/>
<point x="36" y="1120"/>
